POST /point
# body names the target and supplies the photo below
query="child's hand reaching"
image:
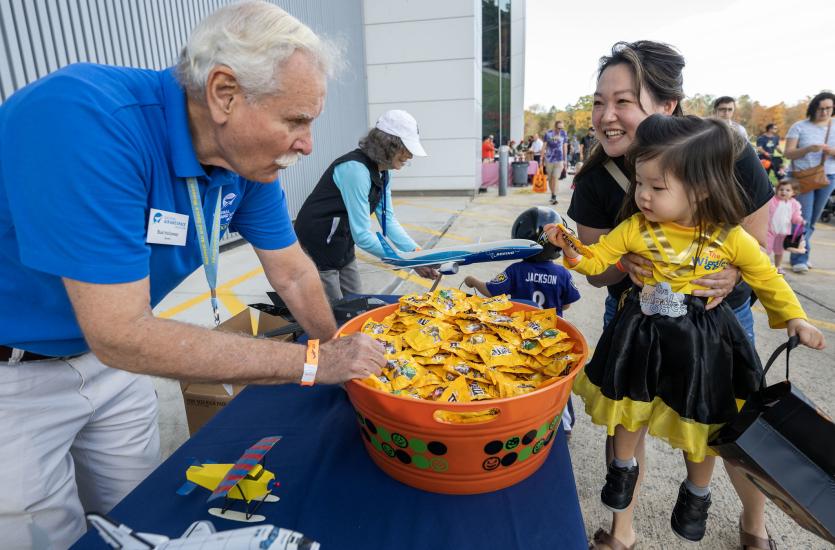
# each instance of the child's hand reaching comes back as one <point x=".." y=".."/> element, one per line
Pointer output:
<point x="557" y="238"/>
<point x="809" y="335"/>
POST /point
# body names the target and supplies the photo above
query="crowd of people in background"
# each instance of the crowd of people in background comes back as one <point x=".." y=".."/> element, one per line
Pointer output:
<point x="802" y="148"/>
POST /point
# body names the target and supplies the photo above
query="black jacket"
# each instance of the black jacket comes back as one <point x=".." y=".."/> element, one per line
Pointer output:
<point x="322" y="223"/>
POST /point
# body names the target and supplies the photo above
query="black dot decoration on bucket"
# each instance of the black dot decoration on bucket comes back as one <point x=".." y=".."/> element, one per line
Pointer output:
<point x="431" y="455"/>
<point x="424" y="455"/>
<point x="520" y="447"/>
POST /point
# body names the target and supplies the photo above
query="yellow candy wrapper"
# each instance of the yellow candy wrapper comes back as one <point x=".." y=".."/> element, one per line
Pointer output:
<point x="427" y="352"/>
<point x="446" y="346"/>
<point x="499" y="354"/>
<point x="470" y="326"/>
<point x="516" y="369"/>
<point x="471" y="342"/>
<point x="574" y="242"/>
<point x="405" y="373"/>
<point x="457" y="392"/>
<point x="436" y="359"/>
<point x="495" y="318"/>
<point x="550" y="337"/>
<point x="530" y="347"/>
<point x="509" y="335"/>
<point x="380" y="382"/>
<point x="479" y="391"/>
<point x="466" y="417"/>
<point x="496" y="303"/>
<point x="561" y="346"/>
<point x="373" y="328"/>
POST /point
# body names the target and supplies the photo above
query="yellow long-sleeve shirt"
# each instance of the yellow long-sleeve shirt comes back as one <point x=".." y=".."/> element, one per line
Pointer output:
<point x="672" y="249"/>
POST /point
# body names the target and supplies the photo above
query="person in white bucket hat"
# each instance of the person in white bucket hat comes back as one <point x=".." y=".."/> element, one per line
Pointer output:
<point x="337" y="214"/>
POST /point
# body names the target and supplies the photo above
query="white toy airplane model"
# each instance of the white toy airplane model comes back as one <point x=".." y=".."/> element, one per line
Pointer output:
<point x="201" y="535"/>
<point x="451" y="257"/>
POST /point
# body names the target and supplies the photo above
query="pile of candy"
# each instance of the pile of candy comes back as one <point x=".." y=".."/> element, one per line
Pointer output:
<point x="450" y="347"/>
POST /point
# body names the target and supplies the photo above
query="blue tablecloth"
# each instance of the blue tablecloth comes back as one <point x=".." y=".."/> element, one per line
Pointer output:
<point x="332" y="492"/>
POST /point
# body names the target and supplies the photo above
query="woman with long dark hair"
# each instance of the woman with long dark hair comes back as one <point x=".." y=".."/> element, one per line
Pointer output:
<point x="806" y="142"/>
<point x="635" y="81"/>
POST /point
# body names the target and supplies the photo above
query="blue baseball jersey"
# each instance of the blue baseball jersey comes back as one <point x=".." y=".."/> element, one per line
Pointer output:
<point x="545" y="283"/>
<point x="85" y="154"/>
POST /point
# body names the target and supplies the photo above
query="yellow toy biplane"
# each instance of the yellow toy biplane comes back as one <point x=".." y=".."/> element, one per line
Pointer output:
<point x="246" y="480"/>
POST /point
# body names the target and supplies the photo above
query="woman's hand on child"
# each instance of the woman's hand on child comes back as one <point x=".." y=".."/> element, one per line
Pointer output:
<point x="719" y="285"/>
<point x="808" y="334"/>
<point x="637" y="267"/>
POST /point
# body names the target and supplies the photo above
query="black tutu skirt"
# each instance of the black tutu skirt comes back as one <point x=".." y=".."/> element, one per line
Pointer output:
<point x="681" y="377"/>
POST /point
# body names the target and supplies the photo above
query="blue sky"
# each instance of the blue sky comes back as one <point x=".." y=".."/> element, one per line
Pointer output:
<point x="773" y="51"/>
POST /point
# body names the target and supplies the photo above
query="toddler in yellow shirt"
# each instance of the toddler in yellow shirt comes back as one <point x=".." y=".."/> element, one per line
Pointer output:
<point x="666" y="364"/>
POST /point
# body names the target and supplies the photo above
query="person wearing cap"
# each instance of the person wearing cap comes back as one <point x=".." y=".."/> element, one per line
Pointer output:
<point x="337" y="214"/>
<point x="116" y="184"/>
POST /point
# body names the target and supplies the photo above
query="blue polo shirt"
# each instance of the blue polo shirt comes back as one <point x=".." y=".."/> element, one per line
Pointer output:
<point x="545" y="283"/>
<point x="85" y="153"/>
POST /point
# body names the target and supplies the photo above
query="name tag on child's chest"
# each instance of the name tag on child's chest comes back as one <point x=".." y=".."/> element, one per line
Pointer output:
<point x="167" y="228"/>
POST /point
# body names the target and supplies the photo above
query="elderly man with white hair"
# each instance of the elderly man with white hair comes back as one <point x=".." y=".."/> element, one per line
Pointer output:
<point x="116" y="184"/>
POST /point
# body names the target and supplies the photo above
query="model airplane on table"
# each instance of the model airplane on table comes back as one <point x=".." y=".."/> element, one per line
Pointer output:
<point x="451" y="257"/>
<point x="201" y="535"/>
<point x="246" y="480"/>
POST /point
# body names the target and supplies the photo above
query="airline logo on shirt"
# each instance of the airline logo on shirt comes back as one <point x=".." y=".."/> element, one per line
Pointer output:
<point x="226" y="210"/>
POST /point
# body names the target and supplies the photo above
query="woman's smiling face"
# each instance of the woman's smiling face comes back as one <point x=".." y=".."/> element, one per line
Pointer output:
<point x="617" y="112"/>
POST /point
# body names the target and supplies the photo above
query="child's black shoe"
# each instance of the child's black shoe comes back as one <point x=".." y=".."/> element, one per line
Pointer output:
<point x="689" y="518"/>
<point x="616" y="495"/>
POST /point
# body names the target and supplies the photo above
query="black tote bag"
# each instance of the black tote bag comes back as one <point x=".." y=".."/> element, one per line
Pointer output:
<point x="786" y="446"/>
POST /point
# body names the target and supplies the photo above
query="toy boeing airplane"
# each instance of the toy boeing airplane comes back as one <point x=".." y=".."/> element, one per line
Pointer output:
<point x="451" y="257"/>
<point x="245" y="480"/>
<point x="202" y="535"/>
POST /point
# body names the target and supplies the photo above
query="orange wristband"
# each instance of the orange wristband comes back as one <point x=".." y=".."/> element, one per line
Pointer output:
<point x="311" y="363"/>
<point x="620" y="267"/>
<point x="573" y="261"/>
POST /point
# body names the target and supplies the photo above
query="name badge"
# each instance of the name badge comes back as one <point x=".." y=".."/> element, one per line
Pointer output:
<point x="167" y="228"/>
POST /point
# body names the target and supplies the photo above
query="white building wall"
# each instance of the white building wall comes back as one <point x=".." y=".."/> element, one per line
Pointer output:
<point x="424" y="56"/>
<point x="517" y="70"/>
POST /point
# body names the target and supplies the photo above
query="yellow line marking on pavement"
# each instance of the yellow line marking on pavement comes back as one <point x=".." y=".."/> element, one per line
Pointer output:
<point x="402" y="273"/>
<point x="825" y="243"/>
<point x="453" y="211"/>
<point x="422" y="229"/>
<point x="812" y="271"/>
<point x="817" y="322"/>
<point x="224" y="292"/>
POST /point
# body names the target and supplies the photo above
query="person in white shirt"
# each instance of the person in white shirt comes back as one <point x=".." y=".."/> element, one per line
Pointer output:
<point x="536" y="148"/>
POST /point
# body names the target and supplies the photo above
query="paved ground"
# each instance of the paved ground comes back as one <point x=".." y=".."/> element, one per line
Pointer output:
<point x="450" y="220"/>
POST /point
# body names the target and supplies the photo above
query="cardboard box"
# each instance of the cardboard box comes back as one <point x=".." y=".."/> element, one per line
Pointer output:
<point x="203" y="401"/>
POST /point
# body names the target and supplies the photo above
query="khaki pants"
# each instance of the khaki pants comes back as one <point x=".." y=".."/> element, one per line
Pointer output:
<point x="77" y="436"/>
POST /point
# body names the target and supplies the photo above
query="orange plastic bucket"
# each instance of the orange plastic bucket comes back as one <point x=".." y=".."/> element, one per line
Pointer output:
<point x="406" y="440"/>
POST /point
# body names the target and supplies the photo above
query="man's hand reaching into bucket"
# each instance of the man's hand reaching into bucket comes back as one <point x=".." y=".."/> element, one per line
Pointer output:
<point x="354" y="356"/>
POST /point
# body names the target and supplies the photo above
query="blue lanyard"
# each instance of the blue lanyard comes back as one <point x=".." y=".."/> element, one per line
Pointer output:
<point x="209" y="248"/>
<point x="385" y="187"/>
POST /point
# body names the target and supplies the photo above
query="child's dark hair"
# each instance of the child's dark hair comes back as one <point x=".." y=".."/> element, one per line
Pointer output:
<point x="701" y="154"/>
<point x="793" y="183"/>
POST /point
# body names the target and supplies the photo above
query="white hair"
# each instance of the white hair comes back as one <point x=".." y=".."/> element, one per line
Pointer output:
<point x="253" y="39"/>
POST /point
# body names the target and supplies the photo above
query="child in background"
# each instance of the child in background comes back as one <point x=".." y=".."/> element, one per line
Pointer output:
<point x="537" y="279"/>
<point x="783" y="211"/>
<point x="666" y="364"/>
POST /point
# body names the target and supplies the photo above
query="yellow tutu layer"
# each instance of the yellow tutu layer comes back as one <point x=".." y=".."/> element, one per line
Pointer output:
<point x="660" y="420"/>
